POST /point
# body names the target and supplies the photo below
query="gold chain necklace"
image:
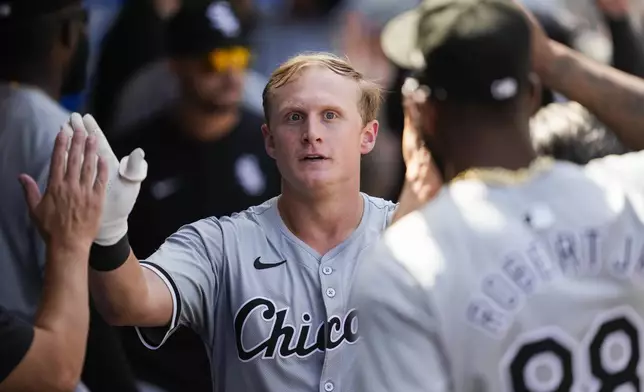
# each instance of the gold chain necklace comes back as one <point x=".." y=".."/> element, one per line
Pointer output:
<point x="502" y="176"/>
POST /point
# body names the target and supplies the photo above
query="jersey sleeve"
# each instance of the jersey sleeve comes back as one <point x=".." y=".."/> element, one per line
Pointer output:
<point x="16" y="337"/>
<point x="188" y="263"/>
<point x="625" y="169"/>
<point x="399" y="347"/>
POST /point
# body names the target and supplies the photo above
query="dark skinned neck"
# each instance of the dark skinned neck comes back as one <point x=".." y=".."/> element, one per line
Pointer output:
<point x="488" y="147"/>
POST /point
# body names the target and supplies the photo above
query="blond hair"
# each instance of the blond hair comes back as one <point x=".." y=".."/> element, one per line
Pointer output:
<point x="371" y="93"/>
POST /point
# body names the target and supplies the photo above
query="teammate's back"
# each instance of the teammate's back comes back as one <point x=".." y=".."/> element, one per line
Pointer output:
<point x="530" y="289"/>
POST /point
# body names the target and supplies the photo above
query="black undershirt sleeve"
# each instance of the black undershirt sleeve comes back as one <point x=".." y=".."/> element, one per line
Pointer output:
<point x="16" y="337"/>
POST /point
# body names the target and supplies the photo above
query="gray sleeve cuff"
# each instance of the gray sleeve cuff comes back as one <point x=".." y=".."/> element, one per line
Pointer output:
<point x="154" y="338"/>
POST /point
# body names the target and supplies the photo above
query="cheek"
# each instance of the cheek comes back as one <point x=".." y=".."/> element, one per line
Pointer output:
<point x="285" y="142"/>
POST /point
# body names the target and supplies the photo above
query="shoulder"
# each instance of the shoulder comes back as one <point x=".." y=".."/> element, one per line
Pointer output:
<point x="623" y="170"/>
<point x="34" y="109"/>
<point x="254" y="220"/>
<point x="30" y="122"/>
<point x="381" y="207"/>
<point x="411" y="244"/>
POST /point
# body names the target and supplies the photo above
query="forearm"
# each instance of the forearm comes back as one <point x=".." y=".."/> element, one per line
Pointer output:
<point x="114" y="292"/>
<point x="64" y="307"/>
<point x="62" y="320"/>
<point x="614" y="97"/>
<point x="131" y="295"/>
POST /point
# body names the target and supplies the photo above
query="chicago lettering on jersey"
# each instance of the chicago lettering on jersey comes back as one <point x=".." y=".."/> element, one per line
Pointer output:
<point x="564" y="254"/>
<point x="286" y="340"/>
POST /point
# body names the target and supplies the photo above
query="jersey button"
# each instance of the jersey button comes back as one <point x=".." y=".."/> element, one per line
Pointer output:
<point x="328" y="387"/>
<point x="327" y="270"/>
<point x="330" y="293"/>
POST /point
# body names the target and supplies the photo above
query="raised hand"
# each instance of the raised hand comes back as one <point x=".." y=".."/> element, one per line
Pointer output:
<point x="123" y="183"/>
<point x="69" y="213"/>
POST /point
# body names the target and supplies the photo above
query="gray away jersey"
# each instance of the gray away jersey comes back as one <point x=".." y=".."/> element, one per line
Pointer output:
<point x="273" y="313"/>
<point x="533" y="285"/>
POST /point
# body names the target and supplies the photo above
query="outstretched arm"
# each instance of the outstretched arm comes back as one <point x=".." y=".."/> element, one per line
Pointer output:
<point x="49" y="356"/>
<point x="614" y="97"/>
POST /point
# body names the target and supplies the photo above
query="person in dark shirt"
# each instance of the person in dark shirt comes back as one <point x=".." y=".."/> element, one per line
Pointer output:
<point x="206" y="153"/>
<point x="206" y="157"/>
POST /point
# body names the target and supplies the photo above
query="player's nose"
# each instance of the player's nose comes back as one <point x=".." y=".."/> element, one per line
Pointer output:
<point x="312" y="132"/>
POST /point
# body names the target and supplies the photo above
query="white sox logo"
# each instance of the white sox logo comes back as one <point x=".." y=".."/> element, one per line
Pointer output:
<point x="284" y="335"/>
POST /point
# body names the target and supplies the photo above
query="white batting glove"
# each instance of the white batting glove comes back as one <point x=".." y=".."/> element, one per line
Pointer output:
<point x="123" y="184"/>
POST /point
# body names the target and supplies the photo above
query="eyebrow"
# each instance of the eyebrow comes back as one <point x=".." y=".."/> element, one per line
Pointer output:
<point x="302" y="108"/>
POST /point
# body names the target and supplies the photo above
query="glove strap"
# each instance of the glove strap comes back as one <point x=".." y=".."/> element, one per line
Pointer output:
<point x="109" y="258"/>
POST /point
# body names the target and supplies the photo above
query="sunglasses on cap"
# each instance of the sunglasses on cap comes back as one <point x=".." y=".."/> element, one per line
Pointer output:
<point x="233" y="58"/>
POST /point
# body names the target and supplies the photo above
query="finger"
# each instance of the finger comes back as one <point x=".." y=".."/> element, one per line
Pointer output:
<point x="104" y="148"/>
<point x="88" y="170"/>
<point x="32" y="193"/>
<point x="75" y="156"/>
<point x="67" y="129"/>
<point x="100" y="184"/>
<point x="57" y="163"/>
<point x="77" y="124"/>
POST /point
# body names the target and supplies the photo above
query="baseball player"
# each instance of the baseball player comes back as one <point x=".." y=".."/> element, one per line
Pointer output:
<point x="267" y="288"/>
<point x="523" y="273"/>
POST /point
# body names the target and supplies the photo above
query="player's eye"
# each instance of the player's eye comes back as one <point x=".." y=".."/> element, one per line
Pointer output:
<point x="294" y="117"/>
<point x="330" y="116"/>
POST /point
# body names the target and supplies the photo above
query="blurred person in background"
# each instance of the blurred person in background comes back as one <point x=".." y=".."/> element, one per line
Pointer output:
<point x="43" y="59"/>
<point x="361" y="24"/>
<point x="157" y="85"/>
<point x="569" y="132"/>
<point x="627" y="42"/>
<point x="135" y="39"/>
<point x="288" y="27"/>
<point x="206" y="157"/>
<point x="561" y="26"/>
<point x="48" y="356"/>
<point x="135" y="42"/>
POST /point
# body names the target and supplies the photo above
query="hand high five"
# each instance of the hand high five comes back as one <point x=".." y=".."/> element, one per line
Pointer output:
<point x="123" y="181"/>
<point x="70" y="210"/>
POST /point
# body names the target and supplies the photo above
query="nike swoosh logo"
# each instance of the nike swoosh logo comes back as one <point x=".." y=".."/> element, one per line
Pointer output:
<point x="261" y="266"/>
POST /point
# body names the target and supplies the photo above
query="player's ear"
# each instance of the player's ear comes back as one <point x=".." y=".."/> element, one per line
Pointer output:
<point x="368" y="136"/>
<point x="269" y="142"/>
<point x="534" y="90"/>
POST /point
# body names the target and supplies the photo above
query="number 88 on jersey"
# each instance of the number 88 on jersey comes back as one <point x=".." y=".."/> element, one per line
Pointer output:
<point x="607" y="359"/>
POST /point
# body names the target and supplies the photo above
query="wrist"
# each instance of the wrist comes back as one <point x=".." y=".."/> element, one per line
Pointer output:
<point x="547" y="66"/>
<point x="111" y="257"/>
<point x="69" y="245"/>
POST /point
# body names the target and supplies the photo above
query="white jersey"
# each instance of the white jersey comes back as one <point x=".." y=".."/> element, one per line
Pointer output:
<point x="531" y="285"/>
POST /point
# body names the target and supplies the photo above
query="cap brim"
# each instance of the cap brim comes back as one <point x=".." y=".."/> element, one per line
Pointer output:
<point x="399" y="39"/>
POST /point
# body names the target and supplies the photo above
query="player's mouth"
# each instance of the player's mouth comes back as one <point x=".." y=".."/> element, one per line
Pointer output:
<point x="314" y="158"/>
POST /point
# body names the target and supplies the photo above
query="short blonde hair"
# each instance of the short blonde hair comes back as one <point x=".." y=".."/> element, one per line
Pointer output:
<point x="370" y="100"/>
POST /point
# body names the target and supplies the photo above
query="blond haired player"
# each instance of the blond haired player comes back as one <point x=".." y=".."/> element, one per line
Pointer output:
<point x="523" y="274"/>
<point x="267" y="288"/>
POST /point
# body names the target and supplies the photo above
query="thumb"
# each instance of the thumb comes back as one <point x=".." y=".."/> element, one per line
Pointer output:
<point x="134" y="167"/>
<point x="32" y="193"/>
